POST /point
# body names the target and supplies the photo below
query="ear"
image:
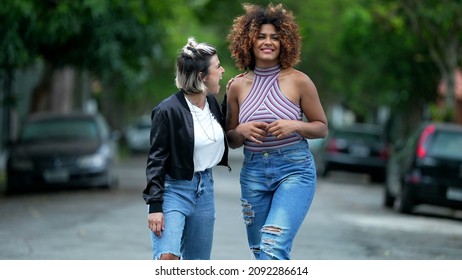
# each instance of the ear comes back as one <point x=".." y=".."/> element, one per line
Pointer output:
<point x="202" y="76"/>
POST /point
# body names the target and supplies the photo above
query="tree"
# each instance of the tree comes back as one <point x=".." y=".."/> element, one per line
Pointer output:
<point x="14" y="53"/>
<point x="439" y="25"/>
<point x="105" y="38"/>
<point x="385" y="64"/>
<point x="109" y="40"/>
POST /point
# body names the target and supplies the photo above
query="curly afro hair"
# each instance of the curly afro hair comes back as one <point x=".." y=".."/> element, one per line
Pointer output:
<point x="245" y="29"/>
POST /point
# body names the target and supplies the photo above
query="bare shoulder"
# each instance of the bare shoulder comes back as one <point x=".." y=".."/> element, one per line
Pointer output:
<point x="297" y="78"/>
<point x="238" y="83"/>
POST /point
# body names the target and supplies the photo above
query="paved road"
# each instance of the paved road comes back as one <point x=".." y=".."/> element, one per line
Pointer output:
<point x="346" y="222"/>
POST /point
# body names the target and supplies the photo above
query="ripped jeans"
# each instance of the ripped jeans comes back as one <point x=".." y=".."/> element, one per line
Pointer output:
<point x="189" y="213"/>
<point x="277" y="188"/>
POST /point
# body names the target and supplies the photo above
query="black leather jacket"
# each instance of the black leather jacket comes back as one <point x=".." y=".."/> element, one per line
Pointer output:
<point x="172" y="146"/>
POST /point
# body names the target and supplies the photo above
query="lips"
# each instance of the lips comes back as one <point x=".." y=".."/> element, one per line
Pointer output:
<point x="267" y="50"/>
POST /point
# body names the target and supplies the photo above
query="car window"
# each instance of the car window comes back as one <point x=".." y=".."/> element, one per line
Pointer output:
<point x="59" y="129"/>
<point x="446" y="144"/>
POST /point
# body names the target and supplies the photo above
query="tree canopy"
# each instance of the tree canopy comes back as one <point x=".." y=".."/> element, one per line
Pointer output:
<point x="361" y="54"/>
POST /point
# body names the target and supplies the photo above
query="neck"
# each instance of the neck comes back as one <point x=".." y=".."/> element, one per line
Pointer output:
<point x="266" y="64"/>
<point x="197" y="99"/>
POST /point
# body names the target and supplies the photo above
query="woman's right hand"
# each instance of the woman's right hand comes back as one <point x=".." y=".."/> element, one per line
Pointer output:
<point x="156" y="223"/>
<point x="253" y="131"/>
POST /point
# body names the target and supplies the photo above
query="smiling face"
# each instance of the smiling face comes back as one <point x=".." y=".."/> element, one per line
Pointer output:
<point x="214" y="75"/>
<point x="267" y="46"/>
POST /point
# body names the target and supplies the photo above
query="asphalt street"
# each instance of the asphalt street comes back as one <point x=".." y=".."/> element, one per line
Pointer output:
<point x="346" y="222"/>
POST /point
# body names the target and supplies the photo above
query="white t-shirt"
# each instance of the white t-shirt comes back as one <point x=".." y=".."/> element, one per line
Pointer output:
<point x="208" y="138"/>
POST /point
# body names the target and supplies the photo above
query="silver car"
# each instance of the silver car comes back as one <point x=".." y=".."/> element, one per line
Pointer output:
<point x="137" y="135"/>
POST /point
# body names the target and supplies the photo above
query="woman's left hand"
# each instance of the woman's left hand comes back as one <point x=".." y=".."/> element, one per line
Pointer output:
<point x="282" y="128"/>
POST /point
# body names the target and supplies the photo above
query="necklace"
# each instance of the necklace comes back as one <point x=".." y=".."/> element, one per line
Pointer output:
<point x="213" y="138"/>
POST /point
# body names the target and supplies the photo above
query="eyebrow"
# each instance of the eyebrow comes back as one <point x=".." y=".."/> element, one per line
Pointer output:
<point x="271" y="34"/>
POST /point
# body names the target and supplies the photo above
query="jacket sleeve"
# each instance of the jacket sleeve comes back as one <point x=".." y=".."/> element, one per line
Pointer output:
<point x="157" y="160"/>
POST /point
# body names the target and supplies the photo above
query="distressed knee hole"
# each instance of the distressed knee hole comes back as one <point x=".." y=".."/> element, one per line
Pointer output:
<point x="272" y="230"/>
<point x="247" y="212"/>
<point x="267" y="246"/>
<point x="269" y="242"/>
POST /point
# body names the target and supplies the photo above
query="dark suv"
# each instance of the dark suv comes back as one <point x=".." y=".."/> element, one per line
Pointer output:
<point x="360" y="148"/>
<point x="62" y="150"/>
<point x="427" y="169"/>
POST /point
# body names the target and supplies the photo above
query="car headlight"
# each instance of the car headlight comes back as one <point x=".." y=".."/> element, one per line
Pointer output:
<point x="91" y="161"/>
<point x="22" y="164"/>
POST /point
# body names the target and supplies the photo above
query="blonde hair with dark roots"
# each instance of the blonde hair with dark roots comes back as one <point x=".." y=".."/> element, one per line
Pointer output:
<point x="193" y="59"/>
<point x="246" y="27"/>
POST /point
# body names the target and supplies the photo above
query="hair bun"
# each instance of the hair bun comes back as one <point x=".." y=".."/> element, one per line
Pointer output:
<point x="192" y="49"/>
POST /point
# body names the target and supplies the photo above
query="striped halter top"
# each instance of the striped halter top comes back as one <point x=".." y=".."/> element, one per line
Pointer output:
<point x="266" y="103"/>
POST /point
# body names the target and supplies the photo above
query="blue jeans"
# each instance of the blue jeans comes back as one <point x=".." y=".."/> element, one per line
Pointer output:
<point x="277" y="189"/>
<point x="189" y="215"/>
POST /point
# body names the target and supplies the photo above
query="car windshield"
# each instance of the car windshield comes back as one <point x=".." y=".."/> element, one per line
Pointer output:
<point x="59" y="129"/>
<point x="446" y="144"/>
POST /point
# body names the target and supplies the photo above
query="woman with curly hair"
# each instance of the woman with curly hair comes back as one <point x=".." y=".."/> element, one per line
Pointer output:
<point x="265" y="109"/>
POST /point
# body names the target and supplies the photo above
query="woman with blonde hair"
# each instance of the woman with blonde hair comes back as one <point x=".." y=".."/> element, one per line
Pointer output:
<point x="187" y="140"/>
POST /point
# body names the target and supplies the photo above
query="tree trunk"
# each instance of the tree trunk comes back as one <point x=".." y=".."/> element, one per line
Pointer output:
<point x="62" y="90"/>
<point x="7" y="103"/>
<point x="111" y="107"/>
<point x="54" y="92"/>
<point x="40" y="99"/>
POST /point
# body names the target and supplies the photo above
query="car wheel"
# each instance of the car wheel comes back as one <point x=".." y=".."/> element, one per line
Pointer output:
<point x="405" y="201"/>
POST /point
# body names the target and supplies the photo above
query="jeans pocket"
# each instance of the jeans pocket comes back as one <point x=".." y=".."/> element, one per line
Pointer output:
<point x="297" y="156"/>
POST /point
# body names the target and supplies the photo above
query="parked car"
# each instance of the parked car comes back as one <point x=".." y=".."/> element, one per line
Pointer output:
<point x="137" y="135"/>
<point x="62" y="150"/>
<point x="427" y="169"/>
<point x="360" y="148"/>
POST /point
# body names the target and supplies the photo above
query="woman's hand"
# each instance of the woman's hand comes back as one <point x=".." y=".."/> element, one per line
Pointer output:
<point x="253" y="131"/>
<point x="282" y="128"/>
<point x="156" y="223"/>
